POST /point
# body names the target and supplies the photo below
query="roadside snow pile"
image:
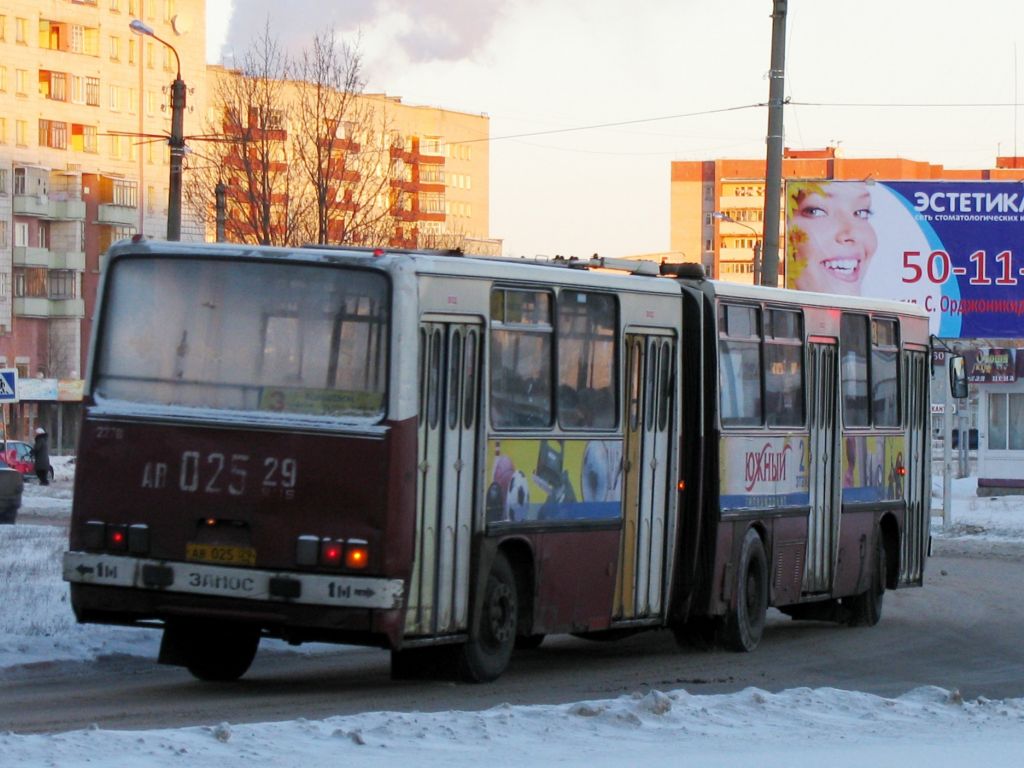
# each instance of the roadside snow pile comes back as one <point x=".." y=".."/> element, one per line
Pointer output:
<point x="800" y="727"/>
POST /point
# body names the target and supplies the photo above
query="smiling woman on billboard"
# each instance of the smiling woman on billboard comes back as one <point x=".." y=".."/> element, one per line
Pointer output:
<point x="830" y="238"/>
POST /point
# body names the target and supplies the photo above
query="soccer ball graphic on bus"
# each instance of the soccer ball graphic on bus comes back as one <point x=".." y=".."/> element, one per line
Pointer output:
<point x="517" y="502"/>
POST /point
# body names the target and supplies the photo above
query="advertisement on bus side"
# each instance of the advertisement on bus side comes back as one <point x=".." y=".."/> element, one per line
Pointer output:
<point x="533" y="480"/>
<point x="952" y="247"/>
<point x="763" y="472"/>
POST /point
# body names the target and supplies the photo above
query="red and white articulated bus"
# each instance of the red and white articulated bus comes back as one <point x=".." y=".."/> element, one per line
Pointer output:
<point x="450" y="457"/>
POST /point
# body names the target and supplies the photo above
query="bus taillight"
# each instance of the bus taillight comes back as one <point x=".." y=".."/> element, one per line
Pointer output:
<point x="330" y="552"/>
<point x="313" y="551"/>
<point x="117" y="538"/>
<point x="357" y="554"/>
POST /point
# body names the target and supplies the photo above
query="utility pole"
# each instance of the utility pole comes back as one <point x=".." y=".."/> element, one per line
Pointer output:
<point x="221" y="207"/>
<point x="773" y="164"/>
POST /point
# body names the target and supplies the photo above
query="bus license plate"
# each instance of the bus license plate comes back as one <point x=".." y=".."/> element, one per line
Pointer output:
<point x="223" y="554"/>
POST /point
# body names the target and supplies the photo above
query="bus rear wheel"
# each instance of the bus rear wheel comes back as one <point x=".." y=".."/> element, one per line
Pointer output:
<point x="211" y="650"/>
<point x="744" y="624"/>
<point x="486" y="655"/>
<point x="865" y="609"/>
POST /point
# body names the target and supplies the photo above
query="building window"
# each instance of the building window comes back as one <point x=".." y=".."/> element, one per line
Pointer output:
<point x="77" y="38"/>
<point x="19" y="284"/>
<point x="20" y="234"/>
<point x="115" y="48"/>
<point x="21" y="133"/>
<point x="3" y="79"/>
<point x="431" y="202"/>
<point x="92" y="91"/>
<point x="3" y="28"/>
<point x="115" y="98"/>
<point x="20" y="31"/>
<point x="1006" y="421"/>
<point x="21" y="82"/>
<point x="4" y="173"/>
<point x="132" y="45"/>
<point x="3" y="136"/>
<point x="125" y="193"/>
<point x="53" y="85"/>
<point x="3" y="235"/>
<point x="432" y="145"/>
<point x="62" y="284"/>
<point x="53" y="133"/>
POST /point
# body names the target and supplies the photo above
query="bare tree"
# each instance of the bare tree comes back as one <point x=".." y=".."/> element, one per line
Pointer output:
<point x="344" y="148"/>
<point x="253" y="155"/>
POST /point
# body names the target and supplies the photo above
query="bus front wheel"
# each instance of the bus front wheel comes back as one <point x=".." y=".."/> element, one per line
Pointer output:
<point x="486" y="655"/>
<point x="744" y="624"/>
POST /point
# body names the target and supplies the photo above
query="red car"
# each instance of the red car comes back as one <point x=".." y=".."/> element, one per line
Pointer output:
<point x="18" y="455"/>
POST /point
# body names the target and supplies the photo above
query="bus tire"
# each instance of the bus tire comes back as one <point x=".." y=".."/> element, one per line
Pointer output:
<point x="486" y="655"/>
<point x="865" y="609"/>
<point x="744" y="624"/>
<point x="211" y="650"/>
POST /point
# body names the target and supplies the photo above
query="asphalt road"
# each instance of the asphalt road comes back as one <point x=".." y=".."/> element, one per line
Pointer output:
<point x="962" y="631"/>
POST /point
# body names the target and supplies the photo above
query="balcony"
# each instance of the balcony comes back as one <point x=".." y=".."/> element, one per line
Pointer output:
<point x="68" y="210"/>
<point x="32" y="205"/>
<point x="32" y="306"/>
<point x="25" y="256"/>
<point x="67" y="260"/>
<point x="117" y="215"/>
<point x="43" y="207"/>
<point x="733" y="202"/>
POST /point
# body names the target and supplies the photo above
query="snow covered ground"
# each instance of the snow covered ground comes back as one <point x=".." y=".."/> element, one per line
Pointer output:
<point x="798" y="727"/>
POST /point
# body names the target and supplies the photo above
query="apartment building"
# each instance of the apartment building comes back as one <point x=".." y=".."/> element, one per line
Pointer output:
<point x="717" y="206"/>
<point x="433" y="165"/>
<point x="83" y="161"/>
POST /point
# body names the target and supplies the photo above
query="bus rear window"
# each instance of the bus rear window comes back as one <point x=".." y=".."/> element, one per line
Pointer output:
<point x="244" y="336"/>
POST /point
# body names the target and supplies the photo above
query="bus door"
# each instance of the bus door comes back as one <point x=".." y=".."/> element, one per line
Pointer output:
<point x="449" y="385"/>
<point x="647" y="455"/>
<point x="823" y="422"/>
<point x="918" y="476"/>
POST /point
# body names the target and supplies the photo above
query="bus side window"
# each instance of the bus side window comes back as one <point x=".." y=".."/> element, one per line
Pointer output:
<point x="739" y="365"/>
<point x="853" y="353"/>
<point x="884" y="376"/>
<point x="784" y="368"/>
<point x="587" y="355"/>
<point x="520" y="360"/>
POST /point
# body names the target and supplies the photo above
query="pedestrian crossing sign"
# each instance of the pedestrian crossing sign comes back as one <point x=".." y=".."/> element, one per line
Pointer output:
<point x="8" y="385"/>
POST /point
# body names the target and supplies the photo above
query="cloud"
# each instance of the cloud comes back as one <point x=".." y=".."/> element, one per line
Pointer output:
<point x="421" y="30"/>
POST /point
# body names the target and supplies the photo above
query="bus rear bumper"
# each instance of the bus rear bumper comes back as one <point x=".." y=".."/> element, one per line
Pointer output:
<point x="239" y="583"/>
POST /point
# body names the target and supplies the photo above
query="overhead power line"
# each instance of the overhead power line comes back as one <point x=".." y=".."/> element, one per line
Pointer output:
<point x="618" y="124"/>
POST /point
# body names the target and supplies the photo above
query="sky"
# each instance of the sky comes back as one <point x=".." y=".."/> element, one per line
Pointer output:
<point x="839" y="728"/>
<point x="561" y="65"/>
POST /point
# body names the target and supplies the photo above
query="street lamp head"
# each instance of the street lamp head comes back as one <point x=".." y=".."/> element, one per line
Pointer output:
<point x="721" y="215"/>
<point x="140" y="28"/>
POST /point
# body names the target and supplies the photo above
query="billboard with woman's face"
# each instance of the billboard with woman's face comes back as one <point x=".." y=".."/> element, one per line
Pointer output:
<point x="956" y="248"/>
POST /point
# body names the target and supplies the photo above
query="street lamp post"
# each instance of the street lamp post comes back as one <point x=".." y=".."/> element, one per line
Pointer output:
<point x="722" y="216"/>
<point x="177" y="139"/>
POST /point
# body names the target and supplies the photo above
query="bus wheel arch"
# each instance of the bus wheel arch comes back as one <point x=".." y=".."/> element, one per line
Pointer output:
<point x="745" y="618"/>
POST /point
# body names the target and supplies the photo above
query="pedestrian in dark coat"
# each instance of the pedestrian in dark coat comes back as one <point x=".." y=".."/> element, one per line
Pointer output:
<point x="41" y="457"/>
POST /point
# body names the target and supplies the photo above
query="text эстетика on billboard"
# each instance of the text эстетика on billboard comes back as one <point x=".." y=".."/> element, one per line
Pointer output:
<point x="956" y="248"/>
